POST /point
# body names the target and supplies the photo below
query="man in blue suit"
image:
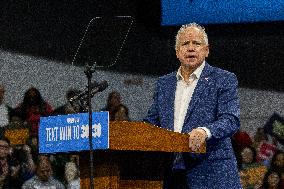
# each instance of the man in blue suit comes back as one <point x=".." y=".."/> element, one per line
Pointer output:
<point x="202" y="101"/>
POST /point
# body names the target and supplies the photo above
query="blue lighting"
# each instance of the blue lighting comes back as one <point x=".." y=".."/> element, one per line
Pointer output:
<point x="177" y="12"/>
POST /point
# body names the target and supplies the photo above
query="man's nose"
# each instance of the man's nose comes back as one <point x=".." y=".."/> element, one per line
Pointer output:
<point x="190" y="47"/>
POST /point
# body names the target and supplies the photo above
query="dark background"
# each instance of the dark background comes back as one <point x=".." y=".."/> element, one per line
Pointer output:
<point x="53" y="30"/>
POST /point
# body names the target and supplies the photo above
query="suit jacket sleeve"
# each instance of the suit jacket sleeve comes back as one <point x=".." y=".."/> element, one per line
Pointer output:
<point x="153" y="112"/>
<point x="228" y="110"/>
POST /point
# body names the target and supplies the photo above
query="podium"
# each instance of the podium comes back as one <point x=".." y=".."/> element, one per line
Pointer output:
<point x="137" y="158"/>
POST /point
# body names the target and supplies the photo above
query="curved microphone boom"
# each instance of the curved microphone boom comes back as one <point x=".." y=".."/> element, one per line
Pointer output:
<point x="95" y="88"/>
<point x="101" y="87"/>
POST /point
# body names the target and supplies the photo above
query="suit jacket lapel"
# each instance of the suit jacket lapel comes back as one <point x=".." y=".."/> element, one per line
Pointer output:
<point x="170" y="101"/>
<point x="201" y="85"/>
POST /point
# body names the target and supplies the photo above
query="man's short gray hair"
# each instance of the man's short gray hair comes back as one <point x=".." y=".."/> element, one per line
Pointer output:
<point x="194" y="25"/>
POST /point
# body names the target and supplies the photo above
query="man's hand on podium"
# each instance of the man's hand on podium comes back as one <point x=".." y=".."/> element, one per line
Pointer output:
<point x="197" y="138"/>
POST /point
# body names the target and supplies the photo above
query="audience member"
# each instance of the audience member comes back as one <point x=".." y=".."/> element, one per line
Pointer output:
<point x="32" y="142"/>
<point x="4" y="111"/>
<point x="266" y="152"/>
<point x="259" y="137"/>
<point x="17" y="131"/>
<point x="22" y="165"/>
<point x="72" y="176"/>
<point x="5" y="163"/>
<point x="120" y="113"/>
<point x="277" y="163"/>
<point x="15" y="119"/>
<point x="32" y="107"/>
<point x="43" y="177"/>
<point x="58" y="162"/>
<point x="271" y="180"/>
<point x="240" y="140"/>
<point x="113" y="100"/>
<point x="264" y="149"/>
<point x="69" y="108"/>
<point x="250" y="171"/>
<point x="75" y="159"/>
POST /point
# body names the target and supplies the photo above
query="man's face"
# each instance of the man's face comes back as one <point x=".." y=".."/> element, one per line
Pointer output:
<point x="247" y="155"/>
<point x="44" y="171"/>
<point x="71" y="171"/>
<point x="279" y="160"/>
<point x="273" y="179"/>
<point x="4" y="149"/>
<point x="115" y="100"/>
<point x="192" y="50"/>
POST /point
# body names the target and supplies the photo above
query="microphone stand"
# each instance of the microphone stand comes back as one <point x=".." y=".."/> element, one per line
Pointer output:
<point x="89" y="70"/>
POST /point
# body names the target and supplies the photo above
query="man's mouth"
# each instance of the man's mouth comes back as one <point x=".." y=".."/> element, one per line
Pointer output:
<point x="190" y="57"/>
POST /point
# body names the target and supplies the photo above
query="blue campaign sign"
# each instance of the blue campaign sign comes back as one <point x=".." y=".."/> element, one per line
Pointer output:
<point x="177" y="12"/>
<point x="65" y="133"/>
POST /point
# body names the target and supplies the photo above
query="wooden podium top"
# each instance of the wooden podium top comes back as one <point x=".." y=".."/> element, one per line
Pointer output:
<point x="141" y="136"/>
<point x="135" y="159"/>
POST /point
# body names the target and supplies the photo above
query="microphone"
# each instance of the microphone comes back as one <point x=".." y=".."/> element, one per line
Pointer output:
<point x="100" y="87"/>
<point x="95" y="88"/>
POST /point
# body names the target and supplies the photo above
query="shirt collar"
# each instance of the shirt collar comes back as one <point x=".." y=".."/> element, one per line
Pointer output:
<point x="195" y="74"/>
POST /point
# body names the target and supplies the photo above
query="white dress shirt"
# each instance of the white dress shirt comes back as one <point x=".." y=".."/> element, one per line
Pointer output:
<point x="183" y="95"/>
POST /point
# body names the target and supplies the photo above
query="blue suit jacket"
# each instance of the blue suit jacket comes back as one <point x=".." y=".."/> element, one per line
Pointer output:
<point x="214" y="105"/>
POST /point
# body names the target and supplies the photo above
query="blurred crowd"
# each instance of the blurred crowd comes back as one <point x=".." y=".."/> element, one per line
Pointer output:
<point x="260" y="158"/>
<point x="21" y="164"/>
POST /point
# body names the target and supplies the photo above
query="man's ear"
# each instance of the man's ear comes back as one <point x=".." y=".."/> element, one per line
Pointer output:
<point x="177" y="51"/>
<point x="207" y="51"/>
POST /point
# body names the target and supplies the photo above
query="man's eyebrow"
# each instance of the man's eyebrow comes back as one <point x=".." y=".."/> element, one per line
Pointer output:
<point x="185" y="42"/>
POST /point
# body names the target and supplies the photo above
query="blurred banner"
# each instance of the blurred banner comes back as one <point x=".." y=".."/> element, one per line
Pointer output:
<point x="275" y="127"/>
<point x="177" y="12"/>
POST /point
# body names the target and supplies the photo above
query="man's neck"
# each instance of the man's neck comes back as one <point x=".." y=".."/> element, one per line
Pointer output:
<point x="186" y="72"/>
